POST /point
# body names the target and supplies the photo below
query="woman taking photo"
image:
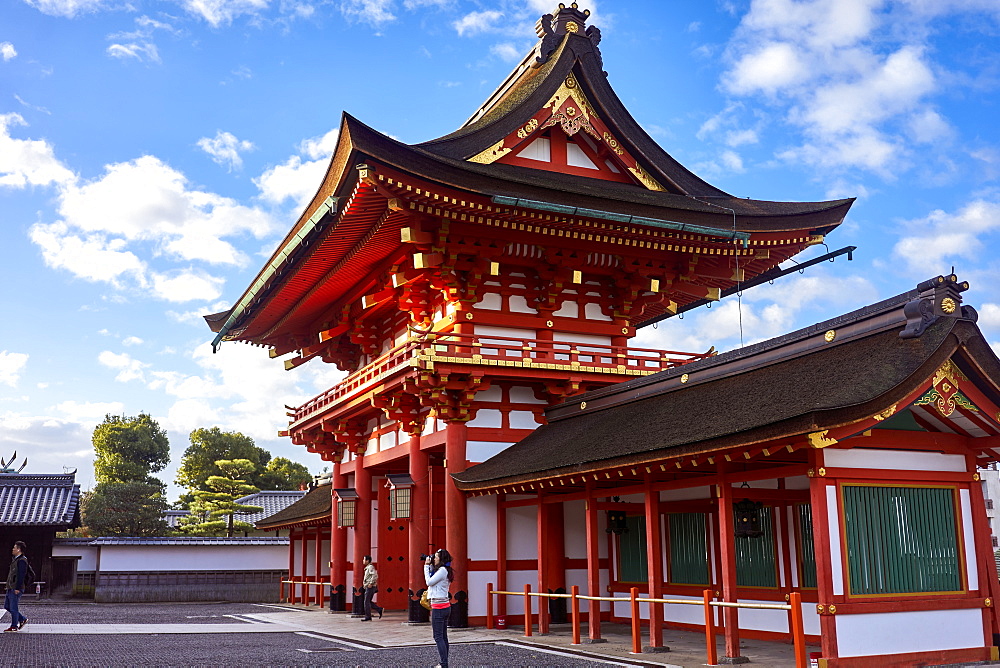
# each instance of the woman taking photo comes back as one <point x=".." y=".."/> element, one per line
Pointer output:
<point x="439" y="575"/>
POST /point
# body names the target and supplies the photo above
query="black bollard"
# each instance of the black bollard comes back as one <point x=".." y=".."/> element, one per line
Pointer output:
<point x="459" y="617"/>
<point x="358" y="607"/>
<point x="418" y="614"/>
<point x="557" y="607"/>
<point x="338" y="597"/>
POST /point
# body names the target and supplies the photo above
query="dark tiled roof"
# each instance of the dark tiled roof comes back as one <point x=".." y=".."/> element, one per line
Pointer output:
<point x="785" y="387"/>
<point x="271" y="501"/>
<point x="182" y="541"/>
<point x="39" y="500"/>
<point x="315" y="505"/>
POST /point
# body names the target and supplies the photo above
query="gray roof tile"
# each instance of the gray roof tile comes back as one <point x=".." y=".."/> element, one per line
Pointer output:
<point x="39" y="500"/>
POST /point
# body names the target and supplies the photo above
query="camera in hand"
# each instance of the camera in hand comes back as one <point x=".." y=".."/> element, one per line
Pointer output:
<point x="424" y="557"/>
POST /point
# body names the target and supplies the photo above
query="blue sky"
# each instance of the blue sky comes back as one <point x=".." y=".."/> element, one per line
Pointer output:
<point x="152" y="154"/>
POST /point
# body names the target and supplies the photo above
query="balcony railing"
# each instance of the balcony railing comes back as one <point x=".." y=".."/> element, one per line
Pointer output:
<point x="500" y="351"/>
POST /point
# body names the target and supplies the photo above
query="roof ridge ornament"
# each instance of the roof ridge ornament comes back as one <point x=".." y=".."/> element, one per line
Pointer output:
<point x="938" y="297"/>
<point x="8" y="466"/>
<point x="551" y="28"/>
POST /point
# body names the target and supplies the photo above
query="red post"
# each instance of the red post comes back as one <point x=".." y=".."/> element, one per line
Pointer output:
<point x="455" y="509"/>
<point x="727" y="548"/>
<point x="338" y="535"/>
<point x="710" y="652"/>
<point x="420" y="524"/>
<point x="654" y="561"/>
<point x="575" y="608"/>
<point x="362" y="522"/>
<point x="281" y="590"/>
<point x="798" y="630"/>
<point x="291" y="566"/>
<point x="636" y="627"/>
<point x="545" y="546"/>
<point x="304" y="573"/>
<point x="527" y="611"/>
<point x="593" y="566"/>
<point x="318" y="556"/>
<point x="489" y="605"/>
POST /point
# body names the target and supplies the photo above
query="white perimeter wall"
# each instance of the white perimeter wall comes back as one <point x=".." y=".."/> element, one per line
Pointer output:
<point x="188" y="557"/>
<point x="902" y="632"/>
<point x="87" y="554"/>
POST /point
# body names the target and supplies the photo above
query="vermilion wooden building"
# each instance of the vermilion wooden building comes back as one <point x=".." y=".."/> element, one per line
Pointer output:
<point x="473" y="286"/>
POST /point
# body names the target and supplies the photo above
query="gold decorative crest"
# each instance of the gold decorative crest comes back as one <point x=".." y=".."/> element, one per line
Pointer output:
<point x="886" y="413"/>
<point x="819" y="439"/>
<point x="830" y="335"/>
<point x="492" y="154"/>
<point x="948" y="305"/>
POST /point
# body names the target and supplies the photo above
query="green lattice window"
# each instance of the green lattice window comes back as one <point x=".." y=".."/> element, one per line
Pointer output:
<point x="807" y="551"/>
<point x="901" y="539"/>
<point x="688" y="549"/>
<point x="632" y="551"/>
<point x="755" y="562"/>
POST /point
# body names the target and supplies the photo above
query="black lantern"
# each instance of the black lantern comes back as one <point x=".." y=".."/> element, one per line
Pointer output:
<point x="616" y="522"/>
<point x="747" y="518"/>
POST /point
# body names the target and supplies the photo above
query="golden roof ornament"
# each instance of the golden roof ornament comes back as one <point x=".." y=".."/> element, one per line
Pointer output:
<point x="552" y="28"/>
<point x="938" y="297"/>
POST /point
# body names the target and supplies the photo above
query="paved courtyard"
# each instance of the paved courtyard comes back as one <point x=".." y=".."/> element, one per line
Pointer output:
<point x="230" y="634"/>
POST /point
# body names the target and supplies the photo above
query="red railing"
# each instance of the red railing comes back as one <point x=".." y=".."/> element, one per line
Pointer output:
<point x="794" y="609"/>
<point x="306" y="598"/>
<point x="500" y="351"/>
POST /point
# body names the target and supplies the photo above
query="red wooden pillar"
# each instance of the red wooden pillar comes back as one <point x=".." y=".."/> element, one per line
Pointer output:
<point x="818" y="487"/>
<point x="654" y="564"/>
<point x="501" y="553"/>
<point x="545" y="558"/>
<point x="989" y="586"/>
<point x="727" y="549"/>
<point x="305" y="565"/>
<point x="420" y="523"/>
<point x="362" y="519"/>
<point x="338" y="535"/>
<point x="291" y="565"/>
<point x="318" y="558"/>
<point x="593" y="567"/>
<point x="455" y="511"/>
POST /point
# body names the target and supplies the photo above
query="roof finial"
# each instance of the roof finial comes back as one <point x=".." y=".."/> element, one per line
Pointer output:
<point x="552" y="27"/>
<point x="8" y="466"/>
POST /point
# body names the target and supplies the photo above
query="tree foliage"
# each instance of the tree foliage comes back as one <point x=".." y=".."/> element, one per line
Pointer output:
<point x="129" y="449"/>
<point x="125" y="509"/>
<point x="209" y="446"/>
<point x="213" y="511"/>
<point x="283" y="473"/>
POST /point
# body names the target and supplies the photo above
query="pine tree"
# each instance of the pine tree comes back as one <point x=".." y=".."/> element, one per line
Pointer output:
<point x="213" y="512"/>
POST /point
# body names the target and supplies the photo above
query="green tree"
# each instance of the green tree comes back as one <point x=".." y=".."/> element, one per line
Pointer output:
<point x="217" y="507"/>
<point x="283" y="473"/>
<point x="209" y="446"/>
<point x="129" y="449"/>
<point x="125" y="509"/>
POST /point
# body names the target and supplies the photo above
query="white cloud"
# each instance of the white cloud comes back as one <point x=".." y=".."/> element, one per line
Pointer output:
<point x="139" y="51"/>
<point x="222" y="12"/>
<point x="27" y="162"/>
<point x="989" y="317"/>
<point x="11" y="366"/>
<point x="7" y="51"/>
<point x="933" y="242"/>
<point x="297" y="179"/>
<point x="188" y="285"/>
<point x="50" y="443"/>
<point x="127" y="367"/>
<point x="769" y="69"/>
<point x="225" y="149"/>
<point x="477" y="22"/>
<point x="68" y="8"/>
<point x="89" y="411"/>
<point x="507" y="51"/>
<point x="374" y="12"/>
<point x="92" y="257"/>
<point x="132" y="341"/>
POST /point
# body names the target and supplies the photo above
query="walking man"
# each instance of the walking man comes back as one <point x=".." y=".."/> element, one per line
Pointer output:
<point x="15" y="587"/>
<point x="370" y="584"/>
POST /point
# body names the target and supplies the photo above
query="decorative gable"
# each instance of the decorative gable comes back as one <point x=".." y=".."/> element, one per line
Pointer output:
<point x="566" y="135"/>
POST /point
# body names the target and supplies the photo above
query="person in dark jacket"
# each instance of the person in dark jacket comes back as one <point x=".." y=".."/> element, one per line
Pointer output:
<point x="15" y="587"/>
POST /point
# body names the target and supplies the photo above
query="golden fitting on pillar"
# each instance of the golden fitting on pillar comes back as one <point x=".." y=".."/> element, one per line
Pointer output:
<point x="810" y="473"/>
<point x="832" y="609"/>
<point x="822" y="472"/>
<point x="583" y="405"/>
<point x="820" y="609"/>
<point x="975" y="477"/>
<point x="988" y="603"/>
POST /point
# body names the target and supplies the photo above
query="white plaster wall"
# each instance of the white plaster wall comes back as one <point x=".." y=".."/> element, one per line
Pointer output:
<point x="87" y="554"/>
<point x="568" y="310"/>
<point x="506" y="332"/>
<point x="387" y="440"/>
<point x="522" y="420"/>
<point x="515" y="582"/>
<point x="519" y="304"/>
<point x="593" y="312"/>
<point x="296" y="565"/>
<point x="522" y="532"/>
<point x="482" y="519"/>
<point x="491" y="301"/>
<point x="571" y="337"/>
<point x="520" y="394"/>
<point x="766" y="620"/>
<point x="971" y="559"/>
<point x="684" y="614"/>
<point x="899" y="632"/>
<point x="477" y="592"/>
<point x="487" y="417"/>
<point x="869" y="458"/>
<point x="575" y="523"/>
<point x="833" y="516"/>
<point x="480" y="451"/>
<point x="195" y="557"/>
<point x="490" y="394"/>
